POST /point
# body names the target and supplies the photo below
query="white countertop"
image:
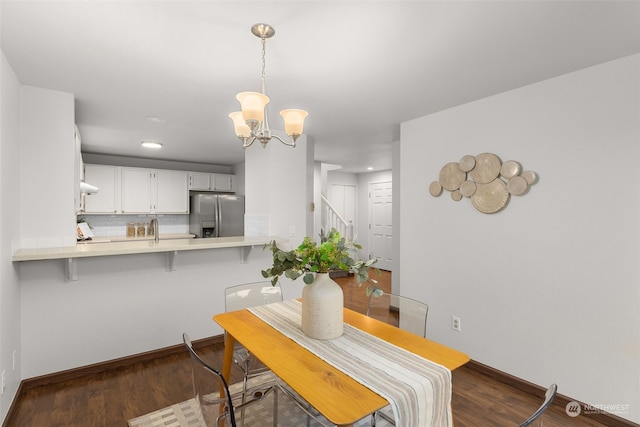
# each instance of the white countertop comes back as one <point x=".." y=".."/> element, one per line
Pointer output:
<point x="137" y="246"/>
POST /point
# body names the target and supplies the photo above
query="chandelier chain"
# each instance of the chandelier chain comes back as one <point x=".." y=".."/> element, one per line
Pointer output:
<point x="264" y="133"/>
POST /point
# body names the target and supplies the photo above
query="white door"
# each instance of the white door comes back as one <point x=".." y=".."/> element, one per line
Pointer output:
<point x="380" y="220"/>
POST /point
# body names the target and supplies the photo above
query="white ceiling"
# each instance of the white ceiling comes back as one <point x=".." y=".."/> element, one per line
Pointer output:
<point x="359" y="67"/>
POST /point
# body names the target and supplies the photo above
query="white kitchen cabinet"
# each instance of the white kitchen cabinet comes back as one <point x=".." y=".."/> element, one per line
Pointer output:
<point x="154" y="191"/>
<point x="136" y="190"/>
<point x="171" y="191"/>
<point x="202" y="181"/>
<point x="223" y="182"/>
<point x="78" y="170"/>
<point x="107" y="199"/>
<point x="131" y="190"/>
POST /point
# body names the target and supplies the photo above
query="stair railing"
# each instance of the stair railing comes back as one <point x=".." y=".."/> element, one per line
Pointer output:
<point x="332" y="219"/>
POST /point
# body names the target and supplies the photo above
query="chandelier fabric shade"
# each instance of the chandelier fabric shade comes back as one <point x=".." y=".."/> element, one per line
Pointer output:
<point x="252" y="105"/>
<point x="293" y="121"/>
<point x="251" y="122"/>
<point x="240" y="125"/>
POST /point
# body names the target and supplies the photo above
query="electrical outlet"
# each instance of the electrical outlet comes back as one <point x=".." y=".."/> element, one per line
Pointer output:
<point x="455" y="323"/>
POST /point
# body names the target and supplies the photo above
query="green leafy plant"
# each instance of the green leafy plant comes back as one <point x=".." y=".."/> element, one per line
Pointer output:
<point x="332" y="254"/>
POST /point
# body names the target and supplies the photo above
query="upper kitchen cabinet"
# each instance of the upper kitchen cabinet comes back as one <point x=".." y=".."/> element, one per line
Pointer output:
<point x="201" y="181"/>
<point x="154" y="191"/>
<point x="223" y="182"/>
<point x="172" y="193"/>
<point x="107" y="179"/>
<point x="136" y="190"/>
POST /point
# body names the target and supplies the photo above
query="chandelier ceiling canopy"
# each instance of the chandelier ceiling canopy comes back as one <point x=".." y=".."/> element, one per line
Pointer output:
<point x="251" y="123"/>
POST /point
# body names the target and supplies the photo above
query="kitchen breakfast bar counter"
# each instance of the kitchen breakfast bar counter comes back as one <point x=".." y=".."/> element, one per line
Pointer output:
<point x="171" y="247"/>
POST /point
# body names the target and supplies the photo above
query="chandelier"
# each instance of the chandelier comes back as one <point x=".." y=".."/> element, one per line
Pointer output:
<point x="251" y="123"/>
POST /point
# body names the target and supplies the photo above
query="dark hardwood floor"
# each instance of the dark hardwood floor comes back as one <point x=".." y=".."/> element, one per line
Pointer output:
<point x="111" y="397"/>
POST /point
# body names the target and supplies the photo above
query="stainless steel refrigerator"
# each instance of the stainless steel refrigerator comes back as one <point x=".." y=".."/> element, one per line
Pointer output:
<point x="216" y="215"/>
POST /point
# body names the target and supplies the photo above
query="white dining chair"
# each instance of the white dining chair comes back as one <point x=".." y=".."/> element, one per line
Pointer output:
<point x="248" y="295"/>
<point x="213" y="401"/>
<point x="406" y="313"/>
<point x="536" y="417"/>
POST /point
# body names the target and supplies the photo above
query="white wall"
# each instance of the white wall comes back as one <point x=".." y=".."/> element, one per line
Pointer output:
<point x="396" y="286"/>
<point x="9" y="231"/>
<point x="310" y="186"/>
<point x="548" y="289"/>
<point x="317" y="200"/>
<point x="239" y="171"/>
<point x="47" y="120"/>
<point x="124" y="305"/>
<point x="279" y="186"/>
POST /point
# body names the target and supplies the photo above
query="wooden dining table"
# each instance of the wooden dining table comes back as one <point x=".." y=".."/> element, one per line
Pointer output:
<point x="337" y="396"/>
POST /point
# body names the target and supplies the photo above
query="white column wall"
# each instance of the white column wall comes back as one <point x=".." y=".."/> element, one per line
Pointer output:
<point x="9" y="232"/>
<point x="397" y="227"/>
<point x="279" y="186"/>
<point x="47" y="165"/>
<point x="547" y="289"/>
<point x="317" y="200"/>
<point x="279" y="182"/>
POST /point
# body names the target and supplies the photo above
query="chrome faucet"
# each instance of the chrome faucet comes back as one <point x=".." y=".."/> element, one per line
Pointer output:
<point x="156" y="232"/>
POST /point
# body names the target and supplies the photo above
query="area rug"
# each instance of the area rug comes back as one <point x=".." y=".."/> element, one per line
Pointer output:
<point x="186" y="414"/>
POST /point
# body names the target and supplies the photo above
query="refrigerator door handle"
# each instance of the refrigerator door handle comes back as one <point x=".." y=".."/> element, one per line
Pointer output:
<point x="218" y="216"/>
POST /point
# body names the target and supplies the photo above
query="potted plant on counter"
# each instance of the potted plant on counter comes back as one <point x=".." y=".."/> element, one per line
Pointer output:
<point x="322" y="298"/>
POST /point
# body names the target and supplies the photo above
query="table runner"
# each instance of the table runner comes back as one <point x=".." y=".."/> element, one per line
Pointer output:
<point x="418" y="390"/>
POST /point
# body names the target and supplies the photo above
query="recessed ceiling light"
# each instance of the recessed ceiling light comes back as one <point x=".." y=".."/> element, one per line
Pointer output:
<point x="370" y="168"/>
<point x="151" y="144"/>
<point x="156" y="119"/>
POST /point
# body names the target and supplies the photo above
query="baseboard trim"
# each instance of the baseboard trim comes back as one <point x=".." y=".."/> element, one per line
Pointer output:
<point x="74" y="373"/>
<point x="560" y="401"/>
<point x="95" y="368"/>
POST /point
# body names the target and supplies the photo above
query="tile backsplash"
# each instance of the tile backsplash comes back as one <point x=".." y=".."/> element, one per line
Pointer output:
<point x="116" y="225"/>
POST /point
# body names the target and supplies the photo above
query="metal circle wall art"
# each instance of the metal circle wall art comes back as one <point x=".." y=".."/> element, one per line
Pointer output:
<point x="484" y="179"/>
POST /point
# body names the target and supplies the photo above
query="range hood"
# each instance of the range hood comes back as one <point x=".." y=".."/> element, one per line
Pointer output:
<point x="88" y="188"/>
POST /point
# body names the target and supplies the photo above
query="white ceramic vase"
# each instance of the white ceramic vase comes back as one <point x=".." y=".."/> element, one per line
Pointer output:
<point x="322" y="303"/>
